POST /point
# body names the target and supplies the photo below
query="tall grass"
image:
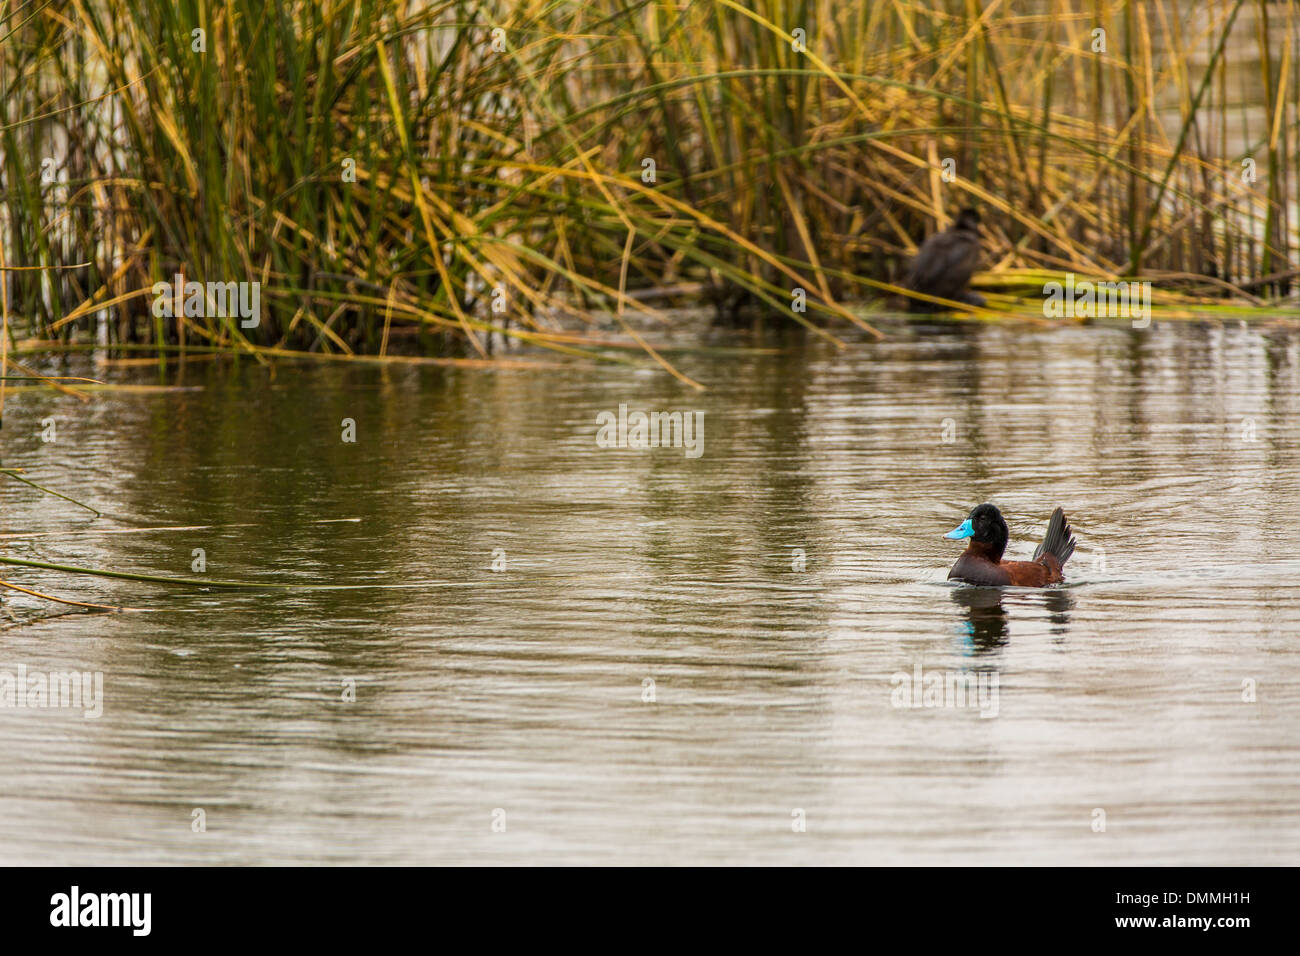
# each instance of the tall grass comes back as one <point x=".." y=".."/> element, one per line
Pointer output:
<point x="428" y="176"/>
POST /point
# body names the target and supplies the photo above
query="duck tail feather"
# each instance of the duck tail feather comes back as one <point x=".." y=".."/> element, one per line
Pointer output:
<point x="1059" y="540"/>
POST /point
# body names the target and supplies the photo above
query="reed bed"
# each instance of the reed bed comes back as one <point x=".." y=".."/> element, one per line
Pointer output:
<point x="432" y="178"/>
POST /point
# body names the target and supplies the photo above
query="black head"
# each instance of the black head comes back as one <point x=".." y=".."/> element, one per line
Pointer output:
<point x="969" y="220"/>
<point x="986" y="529"/>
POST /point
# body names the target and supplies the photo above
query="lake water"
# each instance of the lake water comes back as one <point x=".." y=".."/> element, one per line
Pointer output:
<point x="776" y="590"/>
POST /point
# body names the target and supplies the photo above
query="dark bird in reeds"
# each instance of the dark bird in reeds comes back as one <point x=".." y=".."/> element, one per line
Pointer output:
<point x="981" y="562"/>
<point x="944" y="265"/>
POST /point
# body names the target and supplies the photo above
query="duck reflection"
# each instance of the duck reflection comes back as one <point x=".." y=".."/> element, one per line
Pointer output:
<point x="1059" y="603"/>
<point x="986" y="619"/>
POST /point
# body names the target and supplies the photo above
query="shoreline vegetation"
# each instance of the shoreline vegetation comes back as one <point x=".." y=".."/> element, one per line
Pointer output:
<point x="426" y="179"/>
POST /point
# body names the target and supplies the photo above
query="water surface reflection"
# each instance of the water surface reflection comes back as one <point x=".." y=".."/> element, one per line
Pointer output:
<point x="521" y="590"/>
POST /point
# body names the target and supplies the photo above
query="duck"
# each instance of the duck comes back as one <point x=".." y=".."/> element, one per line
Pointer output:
<point x="981" y="563"/>
<point x="944" y="264"/>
